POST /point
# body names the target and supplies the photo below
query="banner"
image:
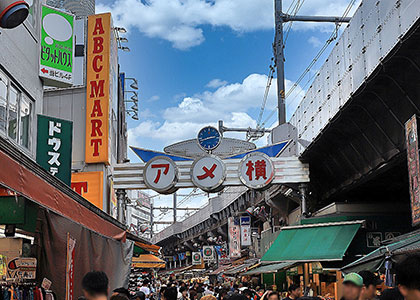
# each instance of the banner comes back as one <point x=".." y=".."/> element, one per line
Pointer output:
<point x="196" y="258"/>
<point x="234" y="237"/>
<point x="222" y="254"/>
<point x="246" y="231"/>
<point x="411" y="136"/>
<point x="54" y="146"/>
<point x="57" y="47"/>
<point x="71" y="246"/>
<point x="98" y="88"/>
<point x="90" y="186"/>
<point x="208" y="253"/>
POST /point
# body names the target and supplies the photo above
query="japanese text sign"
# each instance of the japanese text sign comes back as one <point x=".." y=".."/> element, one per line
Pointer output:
<point x="246" y="231"/>
<point x="54" y="146"/>
<point x="98" y="88"/>
<point x="234" y="237"/>
<point x="196" y="258"/>
<point x="256" y="170"/>
<point x="161" y="174"/>
<point x="411" y="134"/>
<point x="57" y="47"/>
<point x="208" y="173"/>
<point x="208" y="253"/>
<point x="90" y="186"/>
<point x="71" y="249"/>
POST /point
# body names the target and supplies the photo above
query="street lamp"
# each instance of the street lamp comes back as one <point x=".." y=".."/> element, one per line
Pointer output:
<point x="120" y="29"/>
<point x="13" y="13"/>
<point x="122" y="39"/>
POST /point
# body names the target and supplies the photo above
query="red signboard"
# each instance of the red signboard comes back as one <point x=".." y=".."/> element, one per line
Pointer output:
<point x="411" y="136"/>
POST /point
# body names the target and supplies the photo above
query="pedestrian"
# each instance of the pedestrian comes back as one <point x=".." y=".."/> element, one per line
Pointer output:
<point x="145" y="289"/>
<point x="119" y="297"/>
<point x="407" y="276"/>
<point x="121" y="290"/>
<point x="370" y="281"/>
<point x="184" y="293"/>
<point x="352" y="286"/>
<point x="294" y="292"/>
<point x="139" y="296"/>
<point x="95" y="286"/>
<point x="170" y="293"/>
<point x="273" y="296"/>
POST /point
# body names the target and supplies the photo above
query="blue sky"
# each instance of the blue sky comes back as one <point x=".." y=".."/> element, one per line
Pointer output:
<point x="200" y="61"/>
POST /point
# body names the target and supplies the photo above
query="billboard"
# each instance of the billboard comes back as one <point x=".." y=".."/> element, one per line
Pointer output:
<point x="411" y="135"/>
<point x="208" y="253"/>
<point x="54" y="146"/>
<point x="246" y="231"/>
<point x="57" y="47"/>
<point x="234" y="237"/>
<point x="98" y="88"/>
<point x="90" y="186"/>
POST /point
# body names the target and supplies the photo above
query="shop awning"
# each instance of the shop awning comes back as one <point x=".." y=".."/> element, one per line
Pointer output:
<point x="220" y="270"/>
<point x="241" y="268"/>
<point x="145" y="248"/>
<point x="375" y="260"/>
<point x="272" y="268"/>
<point x="147" y="261"/>
<point x="315" y="242"/>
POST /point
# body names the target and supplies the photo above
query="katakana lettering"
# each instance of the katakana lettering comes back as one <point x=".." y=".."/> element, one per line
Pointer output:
<point x="53" y="170"/>
<point x="54" y="127"/>
<point x="207" y="172"/>
<point x="55" y="142"/>
<point x="54" y="158"/>
<point x="165" y="168"/>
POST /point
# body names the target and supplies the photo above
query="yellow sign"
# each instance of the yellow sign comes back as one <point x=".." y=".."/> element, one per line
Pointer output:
<point x="90" y="185"/>
<point x="97" y="93"/>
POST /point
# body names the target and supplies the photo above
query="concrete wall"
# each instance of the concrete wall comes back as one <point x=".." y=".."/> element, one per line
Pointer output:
<point x="19" y="59"/>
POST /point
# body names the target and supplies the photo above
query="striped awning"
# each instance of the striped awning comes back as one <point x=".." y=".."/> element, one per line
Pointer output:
<point x="147" y="261"/>
<point x="148" y="247"/>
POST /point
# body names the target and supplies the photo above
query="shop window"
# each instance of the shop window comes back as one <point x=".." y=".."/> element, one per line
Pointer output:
<point x="16" y="113"/>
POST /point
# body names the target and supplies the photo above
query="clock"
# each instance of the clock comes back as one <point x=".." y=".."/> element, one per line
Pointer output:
<point x="209" y="138"/>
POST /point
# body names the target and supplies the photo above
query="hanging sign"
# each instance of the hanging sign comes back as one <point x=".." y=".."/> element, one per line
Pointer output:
<point x="246" y="231"/>
<point x="54" y="146"/>
<point x="256" y="170"/>
<point x="57" y="47"/>
<point x="71" y="249"/>
<point x="411" y="136"/>
<point x="161" y="174"/>
<point x="208" y="253"/>
<point x="196" y="258"/>
<point x="21" y="268"/>
<point x="208" y="173"/>
<point x="234" y="237"/>
<point x="98" y="88"/>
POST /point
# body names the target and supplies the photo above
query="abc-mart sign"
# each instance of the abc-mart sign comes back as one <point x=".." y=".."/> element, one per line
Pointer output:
<point x="210" y="173"/>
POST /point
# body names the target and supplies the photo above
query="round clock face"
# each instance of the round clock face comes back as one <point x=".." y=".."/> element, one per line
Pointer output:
<point x="209" y="138"/>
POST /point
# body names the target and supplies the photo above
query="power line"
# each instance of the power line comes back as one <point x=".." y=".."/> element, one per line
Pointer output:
<point x="332" y="37"/>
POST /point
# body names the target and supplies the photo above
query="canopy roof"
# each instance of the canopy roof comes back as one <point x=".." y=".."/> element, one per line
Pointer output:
<point x="272" y="268"/>
<point x="147" y="248"/>
<point x="314" y="242"/>
<point x="147" y="261"/>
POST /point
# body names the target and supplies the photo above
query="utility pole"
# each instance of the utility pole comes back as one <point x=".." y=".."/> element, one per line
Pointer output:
<point x="151" y="219"/>
<point x="279" y="59"/>
<point x="281" y="18"/>
<point x="174" y="195"/>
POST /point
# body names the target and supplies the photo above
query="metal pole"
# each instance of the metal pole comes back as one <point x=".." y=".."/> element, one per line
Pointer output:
<point x="304" y="206"/>
<point x="329" y="19"/>
<point x="151" y="219"/>
<point x="174" y="207"/>
<point x="120" y="203"/>
<point x="279" y="56"/>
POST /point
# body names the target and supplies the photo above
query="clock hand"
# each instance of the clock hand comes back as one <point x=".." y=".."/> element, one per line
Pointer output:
<point x="208" y="138"/>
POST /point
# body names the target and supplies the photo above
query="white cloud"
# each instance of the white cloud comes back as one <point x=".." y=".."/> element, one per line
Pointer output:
<point x="315" y="42"/>
<point x="153" y="98"/>
<point x="180" y="22"/>
<point x="215" y="83"/>
<point x="234" y="103"/>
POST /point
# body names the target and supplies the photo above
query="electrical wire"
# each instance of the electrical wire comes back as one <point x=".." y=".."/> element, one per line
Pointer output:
<point x="332" y="37"/>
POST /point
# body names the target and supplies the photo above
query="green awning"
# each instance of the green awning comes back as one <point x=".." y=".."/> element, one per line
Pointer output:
<point x="314" y="242"/>
<point x="273" y="268"/>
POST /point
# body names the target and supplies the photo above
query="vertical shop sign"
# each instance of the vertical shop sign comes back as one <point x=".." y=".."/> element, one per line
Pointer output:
<point x="246" y="231"/>
<point x="90" y="186"/>
<point x="411" y="136"/>
<point x="208" y="253"/>
<point x="234" y="237"/>
<point x="53" y="150"/>
<point x="57" y="47"/>
<point x="98" y="89"/>
<point x="71" y="247"/>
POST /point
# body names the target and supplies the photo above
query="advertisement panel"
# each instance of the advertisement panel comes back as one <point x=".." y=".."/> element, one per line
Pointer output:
<point x="208" y="253"/>
<point x="411" y="136"/>
<point x="246" y="231"/>
<point x="57" y="47"/>
<point x="90" y="186"/>
<point x="234" y="237"/>
<point x="54" y="146"/>
<point x="98" y="89"/>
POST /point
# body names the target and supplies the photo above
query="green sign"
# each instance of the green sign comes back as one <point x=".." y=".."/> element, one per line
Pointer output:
<point x="57" y="47"/>
<point x="53" y="150"/>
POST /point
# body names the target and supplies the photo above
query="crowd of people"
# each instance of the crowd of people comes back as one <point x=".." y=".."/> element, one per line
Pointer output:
<point x="356" y="286"/>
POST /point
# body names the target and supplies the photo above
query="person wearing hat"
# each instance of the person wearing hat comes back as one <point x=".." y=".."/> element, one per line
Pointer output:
<point x="352" y="286"/>
<point x="370" y="281"/>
